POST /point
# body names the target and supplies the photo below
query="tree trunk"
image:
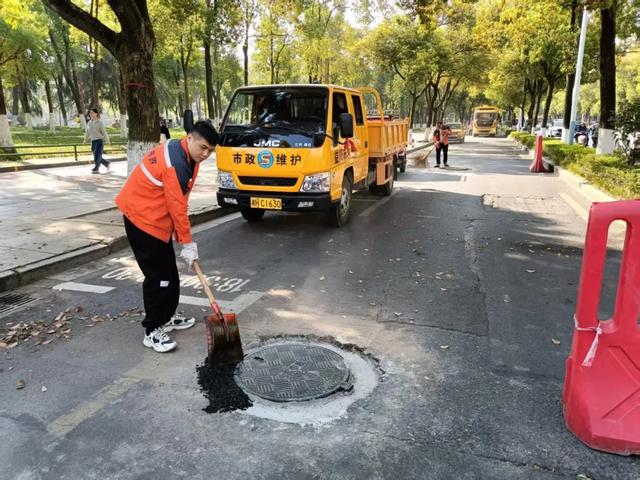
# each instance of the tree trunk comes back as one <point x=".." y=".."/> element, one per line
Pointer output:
<point x="547" y="104"/>
<point x="59" y="89"/>
<point x="6" y="142"/>
<point x="606" y="141"/>
<point x="122" y="105"/>
<point x="15" y="102"/>
<point x="245" y="55"/>
<point x="47" y="89"/>
<point x="24" y="99"/>
<point x="523" y="105"/>
<point x="414" y="101"/>
<point x="218" y="85"/>
<point x="540" y="91"/>
<point x="142" y="104"/>
<point x="207" y="76"/>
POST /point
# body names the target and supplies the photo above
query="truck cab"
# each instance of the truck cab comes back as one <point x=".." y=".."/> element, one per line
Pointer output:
<point x="296" y="148"/>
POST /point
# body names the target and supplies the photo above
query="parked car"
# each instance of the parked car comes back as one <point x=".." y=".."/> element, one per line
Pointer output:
<point x="555" y="130"/>
<point x="457" y="132"/>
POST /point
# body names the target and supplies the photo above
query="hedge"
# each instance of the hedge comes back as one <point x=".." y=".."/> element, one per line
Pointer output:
<point x="607" y="172"/>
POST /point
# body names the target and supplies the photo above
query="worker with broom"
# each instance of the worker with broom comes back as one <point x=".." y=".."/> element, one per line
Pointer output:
<point x="154" y="202"/>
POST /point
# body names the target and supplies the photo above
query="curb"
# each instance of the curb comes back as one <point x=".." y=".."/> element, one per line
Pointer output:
<point x="33" y="166"/>
<point x="18" y="277"/>
<point x="578" y="183"/>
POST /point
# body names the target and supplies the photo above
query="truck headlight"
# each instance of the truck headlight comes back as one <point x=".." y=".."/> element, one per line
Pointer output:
<point x="320" y="182"/>
<point x="225" y="180"/>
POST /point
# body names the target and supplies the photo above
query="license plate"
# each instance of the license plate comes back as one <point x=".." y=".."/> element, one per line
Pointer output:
<point x="266" y="203"/>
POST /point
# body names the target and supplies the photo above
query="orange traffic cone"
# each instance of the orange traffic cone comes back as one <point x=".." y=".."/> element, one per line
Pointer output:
<point x="537" y="166"/>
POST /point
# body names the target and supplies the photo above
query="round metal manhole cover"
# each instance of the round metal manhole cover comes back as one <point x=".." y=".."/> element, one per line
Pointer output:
<point x="293" y="372"/>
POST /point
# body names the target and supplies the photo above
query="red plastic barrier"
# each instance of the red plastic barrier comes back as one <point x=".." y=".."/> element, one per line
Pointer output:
<point x="537" y="166"/>
<point x="601" y="395"/>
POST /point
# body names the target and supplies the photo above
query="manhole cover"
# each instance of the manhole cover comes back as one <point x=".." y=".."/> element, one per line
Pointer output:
<point x="293" y="372"/>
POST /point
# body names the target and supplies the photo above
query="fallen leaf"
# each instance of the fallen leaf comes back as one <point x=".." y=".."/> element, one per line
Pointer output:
<point x="555" y="342"/>
<point x="506" y="299"/>
<point x="531" y="271"/>
<point x="444" y="347"/>
<point x="397" y="314"/>
<point x="43" y="389"/>
<point x="20" y="384"/>
<point x="321" y="278"/>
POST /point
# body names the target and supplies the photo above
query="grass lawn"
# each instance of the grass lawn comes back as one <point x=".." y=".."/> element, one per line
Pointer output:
<point x="40" y="142"/>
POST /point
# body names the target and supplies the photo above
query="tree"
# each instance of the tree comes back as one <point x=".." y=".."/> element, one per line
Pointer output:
<point x="607" y="78"/>
<point x="133" y="47"/>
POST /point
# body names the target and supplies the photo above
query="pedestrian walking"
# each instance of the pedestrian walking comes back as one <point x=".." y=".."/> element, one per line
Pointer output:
<point x="440" y="139"/>
<point x="164" y="132"/>
<point x="98" y="135"/>
<point x="154" y="202"/>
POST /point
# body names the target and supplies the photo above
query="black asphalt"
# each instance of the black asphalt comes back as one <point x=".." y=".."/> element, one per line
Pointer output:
<point x="456" y="299"/>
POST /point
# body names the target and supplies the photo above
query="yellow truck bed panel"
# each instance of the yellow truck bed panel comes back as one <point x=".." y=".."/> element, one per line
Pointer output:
<point x="387" y="137"/>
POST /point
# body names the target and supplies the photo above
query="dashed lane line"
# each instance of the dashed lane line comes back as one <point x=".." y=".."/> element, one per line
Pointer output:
<point x="82" y="287"/>
<point x="237" y="304"/>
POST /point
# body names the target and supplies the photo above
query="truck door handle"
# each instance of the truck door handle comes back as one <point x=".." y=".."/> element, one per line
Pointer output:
<point x="366" y="144"/>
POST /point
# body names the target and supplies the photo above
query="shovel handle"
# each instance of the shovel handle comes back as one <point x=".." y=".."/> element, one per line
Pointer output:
<point x="203" y="281"/>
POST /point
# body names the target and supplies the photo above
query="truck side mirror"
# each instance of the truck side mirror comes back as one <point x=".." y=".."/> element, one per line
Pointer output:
<point x="346" y="125"/>
<point x="318" y="139"/>
<point x="187" y="120"/>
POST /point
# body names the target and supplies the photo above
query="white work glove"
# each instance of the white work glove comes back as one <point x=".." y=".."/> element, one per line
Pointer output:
<point x="189" y="253"/>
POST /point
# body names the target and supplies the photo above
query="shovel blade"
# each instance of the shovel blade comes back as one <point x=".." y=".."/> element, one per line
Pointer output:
<point x="223" y="337"/>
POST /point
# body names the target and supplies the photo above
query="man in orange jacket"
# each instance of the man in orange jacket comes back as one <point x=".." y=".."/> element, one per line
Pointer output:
<point x="154" y="202"/>
<point x="441" y="142"/>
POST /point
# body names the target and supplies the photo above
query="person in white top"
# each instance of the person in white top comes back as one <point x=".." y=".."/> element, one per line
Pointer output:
<point x="98" y="135"/>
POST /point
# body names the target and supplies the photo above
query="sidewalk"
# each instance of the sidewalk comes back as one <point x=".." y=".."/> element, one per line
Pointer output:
<point x="54" y="219"/>
<point x="50" y="162"/>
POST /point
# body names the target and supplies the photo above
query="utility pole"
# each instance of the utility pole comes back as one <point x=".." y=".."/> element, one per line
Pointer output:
<point x="567" y="136"/>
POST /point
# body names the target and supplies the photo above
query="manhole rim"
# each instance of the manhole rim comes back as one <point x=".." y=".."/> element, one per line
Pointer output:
<point x="345" y="385"/>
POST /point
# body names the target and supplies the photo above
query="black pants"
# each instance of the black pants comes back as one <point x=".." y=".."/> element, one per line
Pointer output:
<point x="445" y="152"/>
<point x="161" y="286"/>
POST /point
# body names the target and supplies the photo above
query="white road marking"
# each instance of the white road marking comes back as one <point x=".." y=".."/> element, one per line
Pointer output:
<point x="142" y="371"/>
<point x="237" y="305"/>
<point x="575" y="205"/>
<point x="372" y="208"/>
<point x="82" y="287"/>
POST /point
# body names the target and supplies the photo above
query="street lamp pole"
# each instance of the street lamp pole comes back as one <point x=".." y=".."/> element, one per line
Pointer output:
<point x="567" y="135"/>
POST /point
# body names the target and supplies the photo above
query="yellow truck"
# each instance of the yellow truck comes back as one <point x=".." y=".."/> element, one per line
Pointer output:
<point x="485" y="121"/>
<point x="306" y="148"/>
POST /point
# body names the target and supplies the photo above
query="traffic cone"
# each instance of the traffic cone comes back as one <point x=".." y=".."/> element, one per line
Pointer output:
<point x="537" y="166"/>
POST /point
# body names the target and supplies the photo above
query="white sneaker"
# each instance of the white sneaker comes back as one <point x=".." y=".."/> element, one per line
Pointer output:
<point x="179" y="322"/>
<point x="159" y="341"/>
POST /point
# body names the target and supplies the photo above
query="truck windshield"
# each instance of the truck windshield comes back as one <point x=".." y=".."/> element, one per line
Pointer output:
<point x="284" y="117"/>
<point x="485" y="116"/>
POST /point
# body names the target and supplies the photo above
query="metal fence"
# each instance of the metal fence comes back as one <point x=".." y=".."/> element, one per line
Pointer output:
<point x="61" y="150"/>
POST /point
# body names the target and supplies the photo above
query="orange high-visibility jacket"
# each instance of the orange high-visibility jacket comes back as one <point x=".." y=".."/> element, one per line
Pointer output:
<point x="156" y="195"/>
<point x="441" y="136"/>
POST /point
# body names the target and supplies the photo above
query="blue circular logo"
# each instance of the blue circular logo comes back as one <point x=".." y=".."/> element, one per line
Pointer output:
<point x="265" y="159"/>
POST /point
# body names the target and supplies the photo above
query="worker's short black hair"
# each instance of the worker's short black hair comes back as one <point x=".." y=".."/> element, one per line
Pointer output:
<point x="206" y="130"/>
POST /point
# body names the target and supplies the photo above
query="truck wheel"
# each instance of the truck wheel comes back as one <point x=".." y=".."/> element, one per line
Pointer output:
<point x="252" y="214"/>
<point x="403" y="165"/>
<point x="339" y="213"/>
<point x="386" y="189"/>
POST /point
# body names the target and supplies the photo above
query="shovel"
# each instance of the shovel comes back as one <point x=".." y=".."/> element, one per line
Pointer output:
<point x="223" y="334"/>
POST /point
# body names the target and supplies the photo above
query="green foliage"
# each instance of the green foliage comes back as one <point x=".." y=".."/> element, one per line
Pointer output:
<point x="628" y="126"/>
<point x="611" y="173"/>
